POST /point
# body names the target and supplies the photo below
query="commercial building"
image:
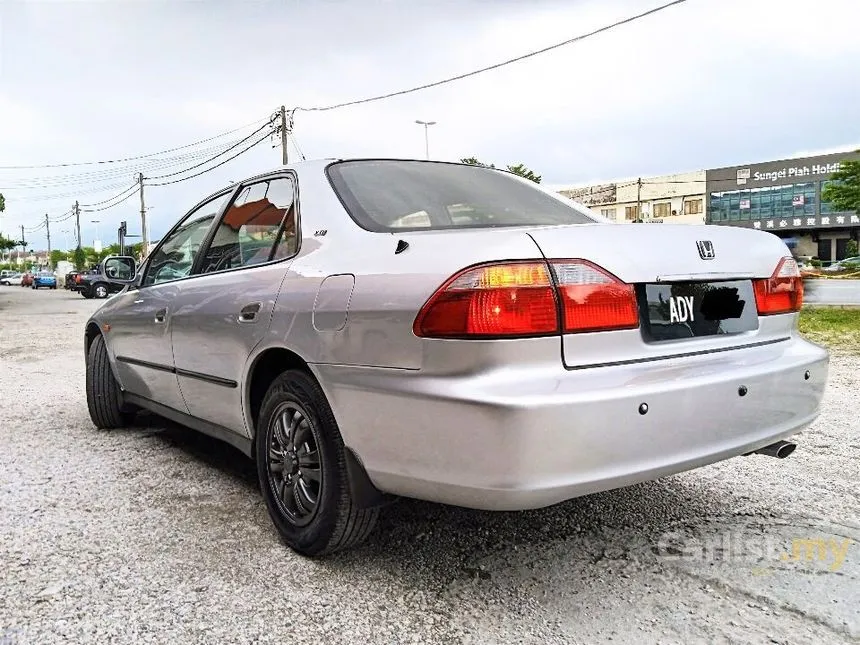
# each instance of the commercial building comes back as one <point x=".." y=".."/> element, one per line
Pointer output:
<point x="782" y="197"/>
<point x="677" y="199"/>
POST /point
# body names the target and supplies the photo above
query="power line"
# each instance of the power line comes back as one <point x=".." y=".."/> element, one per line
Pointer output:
<point x="30" y="183"/>
<point x="109" y="206"/>
<point x="296" y="146"/>
<point x="104" y="201"/>
<point x="151" y="154"/>
<point x="203" y="163"/>
<point x="241" y="152"/>
<point x="459" y="77"/>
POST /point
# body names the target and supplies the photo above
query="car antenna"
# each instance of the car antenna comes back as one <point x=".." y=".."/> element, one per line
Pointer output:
<point x="402" y="245"/>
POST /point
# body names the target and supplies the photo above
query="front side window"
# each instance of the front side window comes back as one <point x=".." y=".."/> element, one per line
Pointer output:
<point x="175" y="257"/>
<point x="392" y="195"/>
<point x="259" y="226"/>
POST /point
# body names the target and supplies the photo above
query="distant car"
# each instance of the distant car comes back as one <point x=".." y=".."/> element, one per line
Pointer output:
<point x="852" y="263"/>
<point x="373" y="328"/>
<point x="26" y="279"/>
<point x="96" y="284"/>
<point x="69" y="281"/>
<point x="44" y="279"/>
<point x="11" y="279"/>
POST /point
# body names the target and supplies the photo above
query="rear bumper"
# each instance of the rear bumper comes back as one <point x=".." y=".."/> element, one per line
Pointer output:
<point x="509" y="439"/>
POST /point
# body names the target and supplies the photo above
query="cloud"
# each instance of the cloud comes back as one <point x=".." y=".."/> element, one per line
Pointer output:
<point x="703" y="84"/>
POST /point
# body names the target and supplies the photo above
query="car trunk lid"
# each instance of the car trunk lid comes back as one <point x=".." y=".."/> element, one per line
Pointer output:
<point x="693" y="286"/>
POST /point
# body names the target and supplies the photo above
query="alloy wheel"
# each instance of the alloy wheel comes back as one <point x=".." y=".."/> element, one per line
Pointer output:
<point x="293" y="464"/>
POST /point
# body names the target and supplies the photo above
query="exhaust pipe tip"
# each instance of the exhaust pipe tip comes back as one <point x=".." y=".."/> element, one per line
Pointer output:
<point x="780" y="449"/>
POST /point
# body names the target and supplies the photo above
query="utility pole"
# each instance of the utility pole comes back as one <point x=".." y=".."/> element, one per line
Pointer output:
<point x="144" y="234"/>
<point x="23" y="244"/>
<point x="48" y="229"/>
<point x="639" y="200"/>
<point x="284" y="153"/>
<point x="78" y="222"/>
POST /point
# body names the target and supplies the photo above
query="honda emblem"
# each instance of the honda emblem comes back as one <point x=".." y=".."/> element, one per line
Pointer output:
<point x="706" y="249"/>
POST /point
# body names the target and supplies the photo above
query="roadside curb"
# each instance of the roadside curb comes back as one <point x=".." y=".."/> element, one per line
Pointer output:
<point x="815" y="305"/>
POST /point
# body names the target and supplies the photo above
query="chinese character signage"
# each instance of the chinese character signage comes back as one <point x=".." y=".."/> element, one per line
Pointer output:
<point x="817" y="221"/>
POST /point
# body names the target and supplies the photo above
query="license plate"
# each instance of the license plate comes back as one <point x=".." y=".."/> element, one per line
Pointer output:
<point x="696" y="309"/>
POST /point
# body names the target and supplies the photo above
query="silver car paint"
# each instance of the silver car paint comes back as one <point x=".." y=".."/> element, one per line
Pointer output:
<point x="490" y="424"/>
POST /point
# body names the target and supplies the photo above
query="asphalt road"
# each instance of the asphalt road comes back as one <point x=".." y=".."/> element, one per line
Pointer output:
<point x="832" y="292"/>
<point x="158" y="535"/>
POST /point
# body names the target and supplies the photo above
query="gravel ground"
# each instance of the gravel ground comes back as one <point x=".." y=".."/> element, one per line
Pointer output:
<point x="156" y="534"/>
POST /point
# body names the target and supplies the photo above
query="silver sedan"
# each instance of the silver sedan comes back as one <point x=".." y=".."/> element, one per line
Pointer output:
<point x="367" y="329"/>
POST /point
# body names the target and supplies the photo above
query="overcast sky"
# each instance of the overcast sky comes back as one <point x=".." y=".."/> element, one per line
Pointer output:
<point x="707" y="83"/>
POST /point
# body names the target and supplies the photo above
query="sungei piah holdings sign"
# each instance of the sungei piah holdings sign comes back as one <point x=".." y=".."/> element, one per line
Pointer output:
<point x="776" y="173"/>
<point x="817" y="171"/>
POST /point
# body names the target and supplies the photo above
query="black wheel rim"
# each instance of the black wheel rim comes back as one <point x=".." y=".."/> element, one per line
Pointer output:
<point x="293" y="464"/>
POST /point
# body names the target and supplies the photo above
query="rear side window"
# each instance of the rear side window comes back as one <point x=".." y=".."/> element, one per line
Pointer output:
<point x="392" y="195"/>
<point x="258" y="227"/>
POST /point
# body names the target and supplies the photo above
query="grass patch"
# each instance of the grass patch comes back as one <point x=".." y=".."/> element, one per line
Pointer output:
<point x="838" y="329"/>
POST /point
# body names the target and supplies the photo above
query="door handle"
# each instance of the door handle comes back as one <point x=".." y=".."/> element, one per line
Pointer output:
<point x="249" y="312"/>
<point x="160" y="315"/>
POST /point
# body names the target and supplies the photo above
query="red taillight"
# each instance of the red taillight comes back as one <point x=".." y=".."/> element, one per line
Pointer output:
<point x="782" y="292"/>
<point x="521" y="299"/>
<point x="592" y="299"/>
<point x="511" y="299"/>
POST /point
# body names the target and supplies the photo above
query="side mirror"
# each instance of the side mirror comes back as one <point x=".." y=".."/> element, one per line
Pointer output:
<point x="119" y="268"/>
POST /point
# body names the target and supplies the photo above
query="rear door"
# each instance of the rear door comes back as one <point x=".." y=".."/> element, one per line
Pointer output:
<point x="224" y="311"/>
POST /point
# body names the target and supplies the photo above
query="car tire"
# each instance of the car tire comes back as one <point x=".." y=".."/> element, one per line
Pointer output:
<point x="335" y="521"/>
<point x="100" y="291"/>
<point x="104" y="396"/>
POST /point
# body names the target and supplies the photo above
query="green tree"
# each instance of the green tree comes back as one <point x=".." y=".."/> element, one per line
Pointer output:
<point x="58" y="256"/>
<point x="524" y="172"/>
<point x="5" y="243"/>
<point x="851" y="250"/>
<point x="79" y="258"/>
<point x="518" y="169"/>
<point x="843" y="192"/>
<point x="473" y="161"/>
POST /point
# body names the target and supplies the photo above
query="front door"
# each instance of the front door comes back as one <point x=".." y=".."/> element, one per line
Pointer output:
<point x="226" y="307"/>
<point x="140" y="340"/>
<point x="142" y="325"/>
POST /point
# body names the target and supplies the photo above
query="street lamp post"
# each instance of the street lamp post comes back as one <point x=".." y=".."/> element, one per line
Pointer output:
<point x="426" y="125"/>
<point x="96" y="222"/>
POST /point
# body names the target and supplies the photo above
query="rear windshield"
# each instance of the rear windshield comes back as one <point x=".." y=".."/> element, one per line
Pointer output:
<point x="391" y="195"/>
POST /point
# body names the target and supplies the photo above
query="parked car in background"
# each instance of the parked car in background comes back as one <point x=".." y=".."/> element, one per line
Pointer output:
<point x="95" y="283"/>
<point x="847" y="264"/>
<point x="44" y="279"/>
<point x="26" y="279"/>
<point x="69" y="280"/>
<point x="11" y="279"/>
<point x="450" y="333"/>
